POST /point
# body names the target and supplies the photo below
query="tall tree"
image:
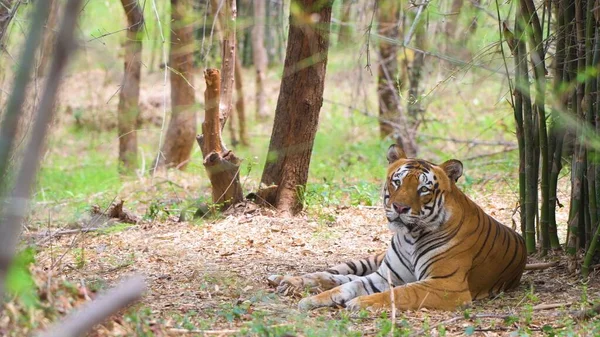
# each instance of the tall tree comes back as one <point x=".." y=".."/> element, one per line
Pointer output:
<point x="388" y="15"/>
<point x="299" y="103"/>
<point x="222" y="26"/>
<point x="452" y="23"/>
<point x="392" y="120"/>
<point x="181" y="133"/>
<point x="49" y="36"/>
<point x="345" y="35"/>
<point x="130" y="87"/>
<point x="259" y="53"/>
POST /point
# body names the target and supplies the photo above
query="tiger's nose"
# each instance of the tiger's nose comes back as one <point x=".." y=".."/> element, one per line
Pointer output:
<point x="399" y="208"/>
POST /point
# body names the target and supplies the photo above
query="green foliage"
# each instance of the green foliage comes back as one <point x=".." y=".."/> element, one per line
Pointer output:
<point x="79" y="256"/>
<point x="141" y="319"/>
<point x="115" y="228"/>
<point x="19" y="281"/>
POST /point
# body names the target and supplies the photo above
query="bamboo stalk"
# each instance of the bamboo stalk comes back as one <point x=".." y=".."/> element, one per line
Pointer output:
<point x="556" y="134"/>
<point x="522" y="86"/>
<point x="535" y="38"/>
<point x="576" y="216"/>
<point x="590" y="88"/>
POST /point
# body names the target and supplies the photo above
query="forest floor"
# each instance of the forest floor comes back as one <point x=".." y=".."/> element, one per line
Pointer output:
<point x="210" y="278"/>
<point x="208" y="275"/>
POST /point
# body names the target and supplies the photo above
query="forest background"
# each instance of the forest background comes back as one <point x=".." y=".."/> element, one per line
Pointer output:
<point x="446" y="79"/>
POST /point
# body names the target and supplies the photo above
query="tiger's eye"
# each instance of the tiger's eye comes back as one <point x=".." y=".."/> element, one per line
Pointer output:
<point x="423" y="189"/>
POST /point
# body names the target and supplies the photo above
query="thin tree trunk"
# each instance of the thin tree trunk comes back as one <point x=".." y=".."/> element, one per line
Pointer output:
<point x="49" y="36"/>
<point x="14" y="208"/>
<point x="522" y="87"/>
<point x="452" y="21"/>
<point x="346" y="33"/>
<point x="299" y="103"/>
<point x="181" y="132"/>
<point x="130" y="88"/>
<point x="414" y="108"/>
<point x="10" y="226"/>
<point x="577" y="217"/>
<point x="240" y="107"/>
<point x="556" y="133"/>
<point x="388" y="13"/>
<point x="259" y="53"/>
<point x="590" y="116"/>
<point x="535" y="38"/>
<point x="392" y="120"/>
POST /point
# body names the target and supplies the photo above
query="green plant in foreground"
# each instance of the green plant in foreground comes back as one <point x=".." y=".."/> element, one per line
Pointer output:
<point x="19" y="281"/>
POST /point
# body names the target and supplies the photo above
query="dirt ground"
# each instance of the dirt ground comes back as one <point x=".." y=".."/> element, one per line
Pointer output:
<point x="204" y="268"/>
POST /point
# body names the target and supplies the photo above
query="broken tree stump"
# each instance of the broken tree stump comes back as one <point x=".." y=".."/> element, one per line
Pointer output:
<point x="222" y="166"/>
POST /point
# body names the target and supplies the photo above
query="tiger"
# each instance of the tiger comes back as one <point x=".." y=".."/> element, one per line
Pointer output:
<point x="445" y="251"/>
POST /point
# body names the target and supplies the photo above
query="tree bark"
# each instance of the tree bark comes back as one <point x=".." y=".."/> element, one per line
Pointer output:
<point x="392" y="120"/>
<point x="387" y="89"/>
<point x="221" y="165"/>
<point x="130" y="88"/>
<point x="299" y="103"/>
<point x="240" y="107"/>
<point x="49" y="36"/>
<point x="259" y="53"/>
<point x="182" y="127"/>
<point x="345" y="35"/>
<point x="452" y="21"/>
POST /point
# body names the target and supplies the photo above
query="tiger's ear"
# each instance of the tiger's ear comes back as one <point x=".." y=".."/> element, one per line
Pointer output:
<point x="453" y="169"/>
<point x="394" y="153"/>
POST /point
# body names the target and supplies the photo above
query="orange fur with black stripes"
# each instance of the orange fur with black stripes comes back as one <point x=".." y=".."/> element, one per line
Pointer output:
<point x="445" y="252"/>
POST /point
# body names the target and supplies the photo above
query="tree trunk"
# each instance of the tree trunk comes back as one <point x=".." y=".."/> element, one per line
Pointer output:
<point x="130" y="88"/>
<point x="299" y="103"/>
<point x="387" y="89"/>
<point x="240" y="107"/>
<point x="392" y="121"/>
<point x="221" y="165"/>
<point x="345" y="35"/>
<point x="182" y="127"/>
<point x="259" y="53"/>
<point x="49" y="36"/>
<point x="452" y="21"/>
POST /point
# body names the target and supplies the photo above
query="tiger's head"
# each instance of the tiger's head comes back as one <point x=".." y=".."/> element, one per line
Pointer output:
<point x="415" y="191"/>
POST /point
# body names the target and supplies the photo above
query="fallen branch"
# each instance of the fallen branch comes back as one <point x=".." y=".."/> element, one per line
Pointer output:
<point x="47" y="234"/>
<point x="586" y="313"/>
<point x="95" y="312"/>
<point x="540" y="266"/>
<point x="551" y="306"/>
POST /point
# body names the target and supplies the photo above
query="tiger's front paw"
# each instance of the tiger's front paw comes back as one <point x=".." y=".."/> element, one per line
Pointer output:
<point x="331" y="298"/>
<point x="374" y="302"/>
<point x="286" y="285"/>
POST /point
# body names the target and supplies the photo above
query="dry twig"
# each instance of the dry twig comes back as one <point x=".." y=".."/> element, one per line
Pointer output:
<point x="540" y="266"/>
